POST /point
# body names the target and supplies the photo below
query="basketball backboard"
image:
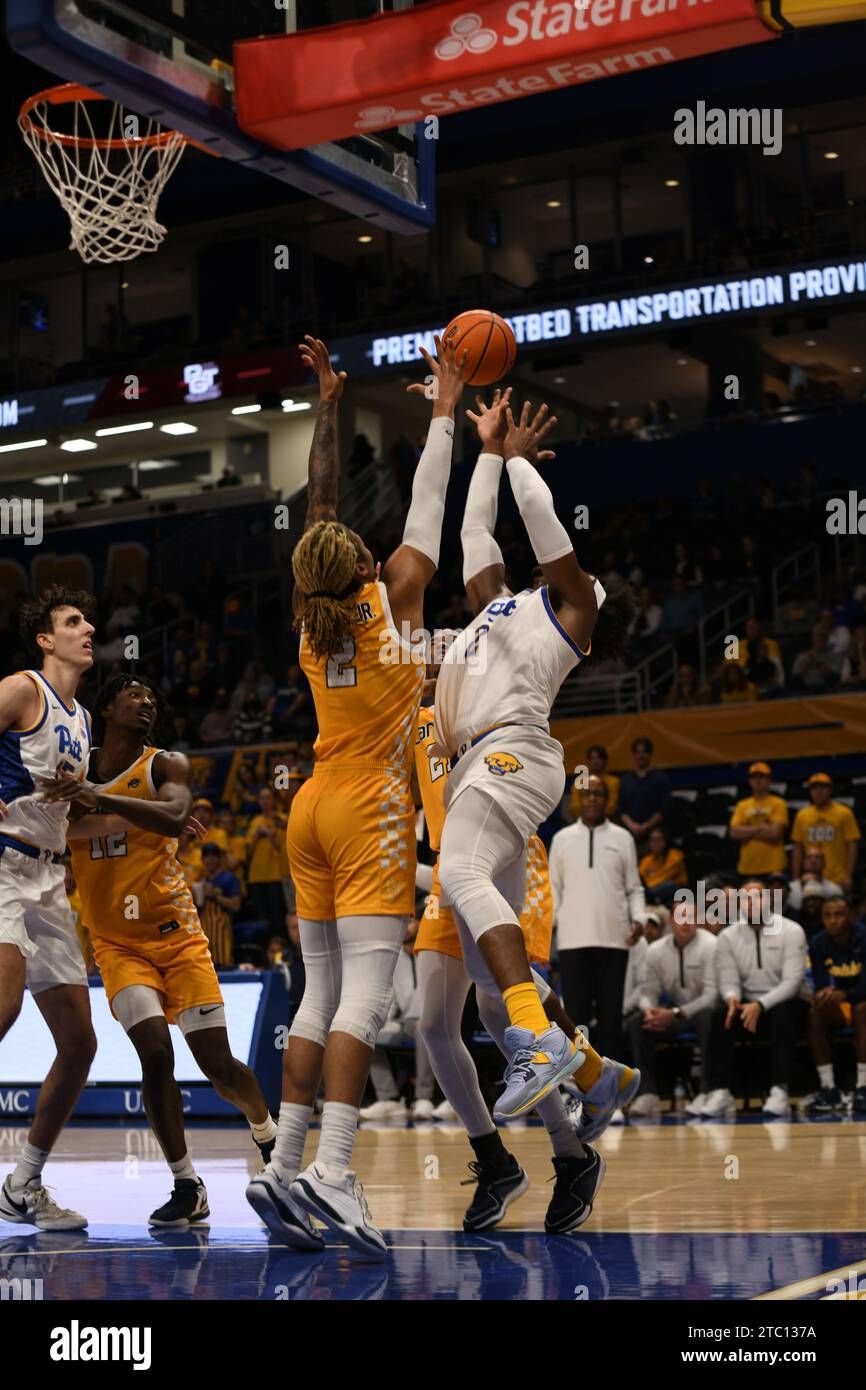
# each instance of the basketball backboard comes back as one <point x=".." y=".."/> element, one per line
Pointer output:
<point x="171" y="60"/>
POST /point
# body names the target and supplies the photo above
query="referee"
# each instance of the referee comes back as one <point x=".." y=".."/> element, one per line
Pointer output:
<point x="600" y="911"/>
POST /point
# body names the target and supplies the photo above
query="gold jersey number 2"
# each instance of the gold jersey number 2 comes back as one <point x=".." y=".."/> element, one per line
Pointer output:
<point x="340" y="671"/>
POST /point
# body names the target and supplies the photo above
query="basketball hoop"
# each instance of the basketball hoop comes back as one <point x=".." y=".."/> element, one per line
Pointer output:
<point x="108" y="169"/>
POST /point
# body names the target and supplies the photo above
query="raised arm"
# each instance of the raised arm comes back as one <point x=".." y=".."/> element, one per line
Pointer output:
<point x="414" y="562"/>
<point x="578" y="607"/>
<point x="323" y="483"/>
<point x="483" y="565"/>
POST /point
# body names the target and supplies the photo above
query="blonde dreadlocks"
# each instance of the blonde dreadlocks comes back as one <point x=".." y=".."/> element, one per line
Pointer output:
<point x="324" y="564"/>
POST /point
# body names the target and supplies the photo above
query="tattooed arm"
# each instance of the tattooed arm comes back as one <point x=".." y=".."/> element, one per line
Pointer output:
<point x="324" y="469"/>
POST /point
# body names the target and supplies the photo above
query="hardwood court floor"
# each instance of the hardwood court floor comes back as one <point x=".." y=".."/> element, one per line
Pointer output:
<point x="687" y="1211"/>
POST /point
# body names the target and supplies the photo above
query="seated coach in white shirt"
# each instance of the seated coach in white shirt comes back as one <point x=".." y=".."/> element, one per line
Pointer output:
<point x="679" y="994"/>
<point x="600" y="909"/>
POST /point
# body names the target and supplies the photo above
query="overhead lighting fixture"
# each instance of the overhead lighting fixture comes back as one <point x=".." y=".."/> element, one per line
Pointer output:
<point x="27" y="444"/>
<point x="48" y="480"/>
<point x="125" y="285"/>
<point x="155" y="465"/>
<point x="365" y="239"/>
<point x="125" y="429"/>
<point x="856" y="370"/>
<point x="559" y="380"/>
<point x="831" y="154"/>
<point x="672" y="183"/>
<point x="180" y="428"/>
<point x="246" y="410"/>
<point x="614" y="405"/>
<point x="649" y="260"/>
<point x="290" y="407"/>
<point x="554" y="203"/>
<point x="682" y="361"/>
<point x="810" y="342"/>
<point x="78" y="446"/>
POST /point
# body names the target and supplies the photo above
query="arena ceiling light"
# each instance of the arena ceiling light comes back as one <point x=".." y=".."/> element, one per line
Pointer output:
<point x="364" y="240"/>
<point x="180" y="427"/>
<point x="289" y="407"/>
<point x="125" y="429"/>
<point x="156" y="465"/>
<point x="246" y="410"/>
<point x="831" y="154"/>
<point x="672" y="183"/>
<point x="554" y="203"/>
<point x="649" y="260"/>
<point x="78" y="446"/>
<point x="25" y="444"/>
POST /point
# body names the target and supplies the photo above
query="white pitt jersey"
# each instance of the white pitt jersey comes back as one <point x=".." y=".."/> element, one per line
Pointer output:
<point x="58" y="741"/>
<point x="506" y="667"/>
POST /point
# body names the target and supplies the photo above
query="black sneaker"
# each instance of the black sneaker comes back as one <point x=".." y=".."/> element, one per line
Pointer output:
<point x="858" y="1101"/>
<point x="499" y="1184"/>
<point x="577" y="1182"/>
<point x="827" y="1101"/>
<point x="186" y="1205"/>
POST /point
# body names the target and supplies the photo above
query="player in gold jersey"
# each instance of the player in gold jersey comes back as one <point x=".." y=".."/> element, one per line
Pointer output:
<point x="147" y="939"/>
<point x="351" y="837"/>
<point x="445" y="985"/>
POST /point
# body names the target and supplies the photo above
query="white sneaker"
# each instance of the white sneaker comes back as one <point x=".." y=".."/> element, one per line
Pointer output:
<point x="718" y="1103"/>
<point x="272" y="1200"/>
<point x="696" y="1106"/>
<point x="647" y="1104"/>
<point x="422" y="1110"/>
<point x="338" y="1199"/>
<point x="446" y="1112"/>
<point x="33" y="1205"/>
<point x="385" y="1110"/>
<point x="777" y="1102"/>
<point x="617" y="1118"/>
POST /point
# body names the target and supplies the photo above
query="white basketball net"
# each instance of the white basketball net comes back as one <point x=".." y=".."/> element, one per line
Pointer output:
<point x="109" y="191"/>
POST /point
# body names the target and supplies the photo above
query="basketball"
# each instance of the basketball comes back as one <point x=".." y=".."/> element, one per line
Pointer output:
<point x="488" y="340"/>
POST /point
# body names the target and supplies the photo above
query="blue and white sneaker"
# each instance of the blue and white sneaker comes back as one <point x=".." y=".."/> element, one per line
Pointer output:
<point x="617" y="1085"/>
<point x="337" y="1198"/>
<point x="272" y="1200"/>
<point x="537" y="1065"/>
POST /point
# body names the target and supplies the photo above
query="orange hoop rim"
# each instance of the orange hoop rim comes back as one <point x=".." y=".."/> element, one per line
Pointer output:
<point x="69" y="92"/>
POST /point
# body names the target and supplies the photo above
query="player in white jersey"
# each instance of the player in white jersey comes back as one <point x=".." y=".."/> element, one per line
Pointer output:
<point x="44" y="733"/>
<point x="493" y="700"/>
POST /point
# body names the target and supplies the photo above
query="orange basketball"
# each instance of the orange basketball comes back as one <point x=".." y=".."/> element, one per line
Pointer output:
<point x="488" y="340"/>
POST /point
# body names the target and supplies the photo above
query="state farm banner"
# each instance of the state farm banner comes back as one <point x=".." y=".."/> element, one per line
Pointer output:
<point x="326" y="84"/>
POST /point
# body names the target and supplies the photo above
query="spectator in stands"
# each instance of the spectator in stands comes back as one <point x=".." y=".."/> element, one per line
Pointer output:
<point x="254" y="681"/>
<point x="755" y="638"/>
<point x="181" y="739"/>
<point x="736" y="686"/>
<point x="758" y="824"/>
<point x="265" y="837"/>
<point x="838" y="633"/>
<point x="289" y="707"/>
<point x="812" y="871"/>
<point x="218" y="899"/>
<point x="819" y="667"/>
<point x="229" y="477"/>
<point x="809" y="913"/>
<point x="715" y="568"/>
<point x="830" y="825"/>
<point x="760" y="966"/>
<point x="159" y="609"/>
<point x="644" y="792"/>
<point x="685" y="690"/>
<point x="679" y="995"/>
<point x="856" y="674"/>
<point x="361" y="457"/>
<point x="596" y="766"/>
<point x="236" y="851"/>
<point x="649" y="617"/>
<point x="681" y="610"/>
<point x="763" y="671"/>
<point x="125" y="615"/>
<point x="663" y="868"/>
<point x="206" y="597"/>
<point x="203" y="811"/>
<point x="218" y="726"/>
<point x="401" y="1029"/>
<point x="306" y="758"/>
<point x="245" y="794"/>
<point x="718" y="917"/>
<point x="684" y="567"/>
<point x="780" y="883"/>
<point x="599" y="909"/>
<point x="838" y="958"/>
<point x="252" y="724"/>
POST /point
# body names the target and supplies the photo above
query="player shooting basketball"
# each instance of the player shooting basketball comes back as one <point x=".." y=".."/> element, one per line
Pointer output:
<point x="351" y="838"/>
<point x="491" y="718"/>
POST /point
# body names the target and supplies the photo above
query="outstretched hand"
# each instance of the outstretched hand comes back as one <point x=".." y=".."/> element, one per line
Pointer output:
<point x="315" y="355"/>
<point x="444" y="386"/>
<point x="524" y="438"/>
<point x="490" y="421"/>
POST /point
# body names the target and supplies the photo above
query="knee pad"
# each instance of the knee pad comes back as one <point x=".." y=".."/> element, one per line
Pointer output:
<point x="314" y="1017"/>
<point x="472" y="893"/>
<point x="368" y="980"/>
<point x="135" y="1003"/>
<point x="323" y="971"/>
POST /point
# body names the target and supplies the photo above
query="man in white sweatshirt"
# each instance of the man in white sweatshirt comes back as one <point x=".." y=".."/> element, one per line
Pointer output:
<point x="678" y="995"/>
<point x="600" y="909"/>
<point x="760" y="965"/>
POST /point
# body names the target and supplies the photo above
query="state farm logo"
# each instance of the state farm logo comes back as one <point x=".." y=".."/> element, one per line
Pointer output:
<point x="468" y="35"/>
<point x="379" y="117"/>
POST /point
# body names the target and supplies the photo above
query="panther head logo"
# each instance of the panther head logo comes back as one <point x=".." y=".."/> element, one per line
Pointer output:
<point x="501" y="763"/>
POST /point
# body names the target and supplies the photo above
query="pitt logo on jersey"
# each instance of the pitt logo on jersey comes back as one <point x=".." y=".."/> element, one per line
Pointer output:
<point x="68" y="744"/>
<point x="501" y="763"/>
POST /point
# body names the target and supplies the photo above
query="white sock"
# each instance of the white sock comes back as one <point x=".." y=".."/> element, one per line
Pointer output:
<point x="861" y="1073"/>
<point x="562" y="1136"/>
<point x="337" y="1140"/>
<point x="825" y="1076"/>
<point x="265" y="1132"/>
<point x="291" y="1138"/>
<point x="29" y="1166"/>
<point x="183" y="1168"/>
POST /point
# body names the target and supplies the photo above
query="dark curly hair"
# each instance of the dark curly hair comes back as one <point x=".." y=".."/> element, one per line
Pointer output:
<point x="113" y="687"/>
<point x="37" y="615"/>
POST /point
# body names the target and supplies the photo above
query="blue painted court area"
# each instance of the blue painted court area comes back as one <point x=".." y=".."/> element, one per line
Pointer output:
<point x="122" y="1263"/>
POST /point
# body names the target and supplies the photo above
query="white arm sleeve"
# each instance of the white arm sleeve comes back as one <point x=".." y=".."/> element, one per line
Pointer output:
<point x="423" y="529"/>
<point x="479" y="519"/>
<point x="548" y="536"/>
<point x="423" y="877"/>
